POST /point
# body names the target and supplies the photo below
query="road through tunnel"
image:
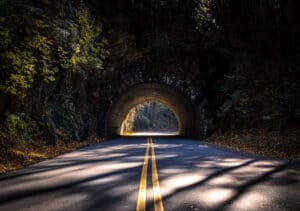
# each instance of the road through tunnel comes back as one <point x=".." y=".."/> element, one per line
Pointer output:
<point x="145" y="92"/>
<point x="150" y="118"/>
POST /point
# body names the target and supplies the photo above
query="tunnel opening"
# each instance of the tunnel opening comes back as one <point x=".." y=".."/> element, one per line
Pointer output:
<point x="138" y="94"/>
<point x="150" y="118"/>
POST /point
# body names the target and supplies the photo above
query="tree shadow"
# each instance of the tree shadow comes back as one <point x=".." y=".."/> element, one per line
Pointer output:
<point x="108" y="175"/>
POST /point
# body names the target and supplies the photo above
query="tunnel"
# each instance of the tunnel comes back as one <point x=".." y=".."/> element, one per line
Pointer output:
<point x="140" y="93"/>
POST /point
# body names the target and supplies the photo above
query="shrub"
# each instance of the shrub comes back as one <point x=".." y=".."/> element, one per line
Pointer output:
<point x="6" y="143"/>
<point x="15" y="125"/>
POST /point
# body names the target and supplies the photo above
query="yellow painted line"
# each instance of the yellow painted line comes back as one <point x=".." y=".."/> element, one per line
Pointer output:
<point x="158" y="204"/>
<point x="141" y="202"/>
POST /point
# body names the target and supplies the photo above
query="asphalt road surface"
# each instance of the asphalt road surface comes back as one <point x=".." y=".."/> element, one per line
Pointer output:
<point x="153" y="174"/>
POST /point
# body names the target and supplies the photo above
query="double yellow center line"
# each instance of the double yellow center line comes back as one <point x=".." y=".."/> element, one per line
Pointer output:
<point x="141" y="203"/>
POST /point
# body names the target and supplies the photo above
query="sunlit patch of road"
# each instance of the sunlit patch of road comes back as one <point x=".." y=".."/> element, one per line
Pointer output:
<point x="151" y="133"/>
<point x="188" y="174"/>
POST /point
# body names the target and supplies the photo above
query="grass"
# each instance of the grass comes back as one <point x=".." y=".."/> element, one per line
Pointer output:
<point x="267" y="143"/>
<point x="23" y="153"/>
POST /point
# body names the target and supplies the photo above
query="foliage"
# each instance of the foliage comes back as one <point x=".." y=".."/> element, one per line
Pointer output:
<point x="7" y="141"/>
<point x="33" y="47"/>
<point x="151" y="116"/>
<point x="65" y="113"/>
<point x="44" y="45"/>
<point x="23" y="50"/>
<point x="21" y="65"/>
<point x="15" y="125"/>
<point x="18" y="155"/>
<point x="261" y="142"/>
<point x="88" y="51"/>
<point x="203" y="15"/>
<point x="258" y="98"/>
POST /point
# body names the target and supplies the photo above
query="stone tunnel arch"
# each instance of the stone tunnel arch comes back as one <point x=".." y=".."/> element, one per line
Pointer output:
<point x="144" y="92"/>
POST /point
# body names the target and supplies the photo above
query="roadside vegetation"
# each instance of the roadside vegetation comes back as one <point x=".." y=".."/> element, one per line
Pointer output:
<point x="150" y="116"/>
<point x="266" y="143"/>
<point x="45" y="46"/>
<point x="17" y="153"/>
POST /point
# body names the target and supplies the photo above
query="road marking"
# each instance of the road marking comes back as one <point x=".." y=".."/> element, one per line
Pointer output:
<point x="141" y="203"/>
<point x="158" y="204"/>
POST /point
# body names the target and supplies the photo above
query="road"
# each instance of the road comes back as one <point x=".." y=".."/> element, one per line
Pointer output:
<point x="153" y="174"/>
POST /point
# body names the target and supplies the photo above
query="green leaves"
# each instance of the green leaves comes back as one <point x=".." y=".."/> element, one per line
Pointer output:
<point x="34" y="45"/>
<point x="88" y="51"/>
<point x="15" y="125"/>
<point x="20" y="69"/>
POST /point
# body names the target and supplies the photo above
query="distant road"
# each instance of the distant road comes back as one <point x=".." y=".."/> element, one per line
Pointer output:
<point x="152" y="133"/>
<point x="165" y="173"/>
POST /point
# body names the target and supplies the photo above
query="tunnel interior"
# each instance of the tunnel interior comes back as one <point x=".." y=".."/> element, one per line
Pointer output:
<point x="150" y="118"/>
<point x="152" y="92"/>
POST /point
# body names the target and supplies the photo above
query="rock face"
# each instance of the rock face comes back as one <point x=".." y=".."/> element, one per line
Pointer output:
<point x="236" y="62"/>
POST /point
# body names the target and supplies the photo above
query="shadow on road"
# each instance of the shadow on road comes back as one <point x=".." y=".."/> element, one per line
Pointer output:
<point x="192" y="176"/>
